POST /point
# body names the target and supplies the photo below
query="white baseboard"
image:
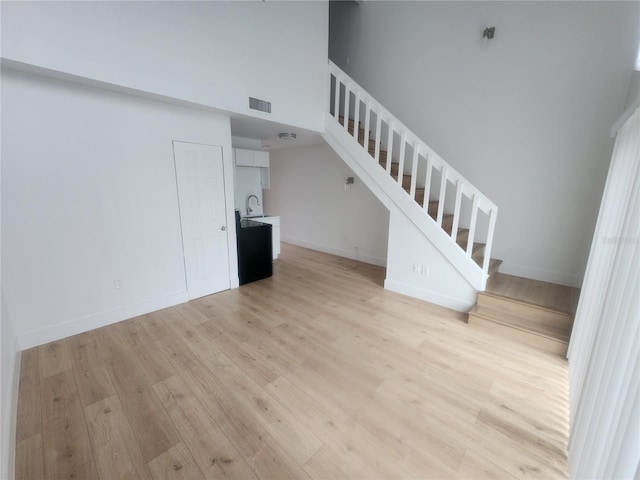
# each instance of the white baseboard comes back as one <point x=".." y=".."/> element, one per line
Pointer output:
<point x="56" y="332"/>
<point x="362" y="257"/>
<point x="452" y="303"/>
<point x="542" y="275"/>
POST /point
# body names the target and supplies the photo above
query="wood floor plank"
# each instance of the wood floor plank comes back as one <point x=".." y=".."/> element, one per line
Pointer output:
<point x="30" y="458"/>
<point x="67" y="449"/>
<point x="115" y="447"/>
<point x="141" y="348"/>
<point x="54" y="358"/>
<point x="175" y="464"/>
<point x="92" y="378"/>
<point x="199" y="378"/>
<point x="152" y="427"/>
<point x="263" y="454"/>
<point x="214" y="453"/>
<point x="294" y="436"/>
<point x="317" y="412"/>
<point x="326" y="464"/>
<point x="199" y="338"/>
<point x="477" y="467"/>
<point x="29" y="416"/>
<point x="156" y="324"/>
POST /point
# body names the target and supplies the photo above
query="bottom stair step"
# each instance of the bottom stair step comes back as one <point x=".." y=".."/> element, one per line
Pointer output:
<point x="544" y="337"/>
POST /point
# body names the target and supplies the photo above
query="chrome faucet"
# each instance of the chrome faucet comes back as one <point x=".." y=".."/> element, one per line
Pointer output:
<point x="249" y="209"/>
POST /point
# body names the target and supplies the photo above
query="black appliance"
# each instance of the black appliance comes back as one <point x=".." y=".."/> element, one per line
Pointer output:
<point x="255" y="250"/>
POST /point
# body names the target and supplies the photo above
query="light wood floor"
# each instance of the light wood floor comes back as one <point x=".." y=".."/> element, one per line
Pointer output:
<point x="317" y="372"/>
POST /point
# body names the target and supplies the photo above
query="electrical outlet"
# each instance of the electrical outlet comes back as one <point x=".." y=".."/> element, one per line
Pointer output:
<point x="421" y="269"/>
<point x="118" y="282"/>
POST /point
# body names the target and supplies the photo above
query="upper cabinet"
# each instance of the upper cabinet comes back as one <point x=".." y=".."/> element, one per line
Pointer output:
<point x="254" y="158"/>
<point x="251" y="158"/>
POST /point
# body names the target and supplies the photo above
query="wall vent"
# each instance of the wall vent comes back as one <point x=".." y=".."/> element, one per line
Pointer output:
<point x="260" y="105"/>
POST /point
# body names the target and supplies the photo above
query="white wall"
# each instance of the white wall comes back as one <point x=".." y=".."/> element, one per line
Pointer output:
<point x="307" y="192"/>
<point x="89" y="194"/>
<point x="525" y="117"/>
<point x="434" y="280"/>
<point x="212" y="53"/>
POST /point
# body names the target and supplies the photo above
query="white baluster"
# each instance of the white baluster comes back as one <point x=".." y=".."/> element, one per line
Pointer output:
<point x="347" y="94"/>
<point x="330" y="85"/>
<point x="414" y="169"/>
<point x="487" y="248"/>
<point x="456" y="211"/>
<point x="472" y="225"/>
<point x="336" y="100"/>
<point x="367" y="123"/>
<point x="403" y="145"/>
<point x="443" y="190"/>
<point x="356" y="117"/>
<point x="377" y="135"/>
<point x="427" y="184"/>
<point x="389" y="146"/>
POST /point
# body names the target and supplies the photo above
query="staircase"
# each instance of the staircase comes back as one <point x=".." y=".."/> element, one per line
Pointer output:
<point x="454" y="217"/>
<point x="462" y="235"/>
<point x="536" y="313"/>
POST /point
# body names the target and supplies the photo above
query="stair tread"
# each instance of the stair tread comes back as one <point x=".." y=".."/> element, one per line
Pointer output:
<point x="546" y="295"/>
<point x="525" y="325"/>
<point x="494" y="263"/>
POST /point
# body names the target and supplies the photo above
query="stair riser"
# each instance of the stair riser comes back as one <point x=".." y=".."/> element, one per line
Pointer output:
<point x="532" y="339"/>
<point x="533" y="313"/>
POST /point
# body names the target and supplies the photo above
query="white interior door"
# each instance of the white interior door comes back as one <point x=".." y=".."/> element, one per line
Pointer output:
<point x="201" y="195"/>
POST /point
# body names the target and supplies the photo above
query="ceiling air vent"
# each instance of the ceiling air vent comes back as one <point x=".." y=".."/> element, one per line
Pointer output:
<point x="259" y="105"/>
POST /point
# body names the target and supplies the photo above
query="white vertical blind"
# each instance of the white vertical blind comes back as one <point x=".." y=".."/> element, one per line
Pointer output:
<point x="604" y="353"/>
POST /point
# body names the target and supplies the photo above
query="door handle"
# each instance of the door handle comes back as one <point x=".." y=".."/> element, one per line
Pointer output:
<point x="223" y="228"/>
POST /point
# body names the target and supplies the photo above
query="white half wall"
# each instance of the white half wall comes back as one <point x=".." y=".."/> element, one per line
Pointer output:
<point x="416" y="268"/>
<point x="215" y="54"/>
<point x="89" y="195"/>
<point x="307" y="192"/>
<point x="525" y="116"/>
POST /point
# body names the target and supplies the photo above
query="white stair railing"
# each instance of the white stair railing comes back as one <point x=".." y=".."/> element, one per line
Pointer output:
<point x="350" y="102"/>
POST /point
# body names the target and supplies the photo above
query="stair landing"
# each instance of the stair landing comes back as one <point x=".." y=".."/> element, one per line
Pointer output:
<point x="536" y="313"/>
